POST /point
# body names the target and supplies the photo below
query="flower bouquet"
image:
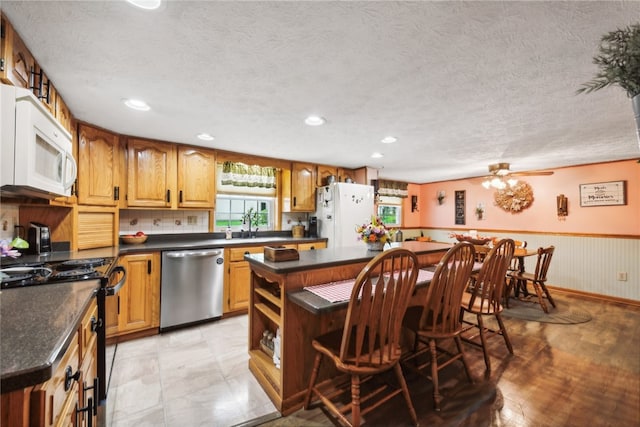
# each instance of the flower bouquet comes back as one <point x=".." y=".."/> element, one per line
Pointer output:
<point x="375" y="234"/>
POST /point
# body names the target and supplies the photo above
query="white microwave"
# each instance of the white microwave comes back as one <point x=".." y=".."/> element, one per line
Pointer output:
<point x="37" y="157"/>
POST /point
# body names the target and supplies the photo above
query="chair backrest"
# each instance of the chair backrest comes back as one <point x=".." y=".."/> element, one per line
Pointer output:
<point x="373" y="323"/>
<point x="489" y="284"/>
<point x="542" y="265"/>
<point x="441" y="313"/>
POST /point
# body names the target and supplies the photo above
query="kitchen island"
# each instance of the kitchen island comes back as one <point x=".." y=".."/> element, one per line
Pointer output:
<point x="271" y="309"/>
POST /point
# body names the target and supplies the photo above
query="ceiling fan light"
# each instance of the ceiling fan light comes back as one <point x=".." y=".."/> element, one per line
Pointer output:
<point x="486" y="183"/>
<point x="512" y="182"/>
<point x="496" y="182"/>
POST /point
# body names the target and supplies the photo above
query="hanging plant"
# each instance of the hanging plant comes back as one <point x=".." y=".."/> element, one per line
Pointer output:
<point x="619" y="62"/>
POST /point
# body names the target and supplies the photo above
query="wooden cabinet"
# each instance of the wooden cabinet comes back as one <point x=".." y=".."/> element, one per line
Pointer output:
<point x="98" y="167"/>
<point x="325" y="172"/>
<point x="137" y="306"/>
<point x="346" y="174"/>
<point x="169" y="176"/>
<point x="311" y="246"/>
<point x="196" y="177"/>
<point x="151" y="173"/>
<point x="298" y="192"/>
<point x="237" y="280"/>
<point x="57" y="402"/>
<point x="63" y="114"/>
<point x="18" y="61"/>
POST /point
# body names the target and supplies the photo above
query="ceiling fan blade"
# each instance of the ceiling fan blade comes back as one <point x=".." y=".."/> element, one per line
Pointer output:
<point x="531" y="173"/>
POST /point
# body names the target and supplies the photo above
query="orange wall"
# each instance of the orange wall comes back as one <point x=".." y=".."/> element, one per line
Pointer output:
<point x="541" y="215"/>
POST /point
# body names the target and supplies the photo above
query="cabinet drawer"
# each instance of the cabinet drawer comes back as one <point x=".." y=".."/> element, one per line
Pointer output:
<point x="237" y="254"/>
<point x="49" y="399"/>
<point x="87" y="335"/>
<point x="311" y="246"/>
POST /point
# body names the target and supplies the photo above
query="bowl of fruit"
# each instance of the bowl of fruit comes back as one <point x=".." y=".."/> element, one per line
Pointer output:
<point x="133" y="239"/>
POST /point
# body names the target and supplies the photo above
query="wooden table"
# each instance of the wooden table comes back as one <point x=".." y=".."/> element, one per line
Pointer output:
<point x="270" y="308"/>
<point x="521" y="254"/>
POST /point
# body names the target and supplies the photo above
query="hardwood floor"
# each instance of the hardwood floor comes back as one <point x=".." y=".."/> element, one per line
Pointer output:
<point x="584" y="374"/>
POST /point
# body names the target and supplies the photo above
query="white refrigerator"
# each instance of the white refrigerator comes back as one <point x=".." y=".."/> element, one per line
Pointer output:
<point x="340" y="207"/>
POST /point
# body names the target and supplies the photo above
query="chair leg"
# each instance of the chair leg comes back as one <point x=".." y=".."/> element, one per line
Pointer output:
<point x="312" y="380"/>
<point x="405" y="393"/>
<point x="536" y="286"/>
<point x="483" y="340"/>
<point x="507" y="291"/>
<point x="355" y="400"/>
<point x="434" y="375"/>
<point x="546" y="292"/>
<point x="503" y="332"/>
<point x="458" y="341"/>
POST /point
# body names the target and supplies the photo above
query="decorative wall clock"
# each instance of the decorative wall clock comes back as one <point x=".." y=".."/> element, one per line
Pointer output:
<point x="516" y="198"/>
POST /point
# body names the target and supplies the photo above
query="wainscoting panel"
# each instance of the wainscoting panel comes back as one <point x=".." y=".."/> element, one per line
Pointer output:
<point x="587" y="264"/>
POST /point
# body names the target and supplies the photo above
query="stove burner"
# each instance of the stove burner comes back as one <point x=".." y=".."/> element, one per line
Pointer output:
<point x="80" y="263"/>
<point x="72" y="274"/>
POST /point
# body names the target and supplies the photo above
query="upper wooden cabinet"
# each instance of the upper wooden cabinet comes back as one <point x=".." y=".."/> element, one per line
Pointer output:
<point x="151" y="173"/>
<point x="98" y="167"/>
<point x="18" y="61"/>
<point x="63" y="114"/>
<point x="346" y="174"/>
<point x="196" y="177"/>
<point x="324" y="172"/>
<point x="303" y="187"/>
<point x="169" y="175"/>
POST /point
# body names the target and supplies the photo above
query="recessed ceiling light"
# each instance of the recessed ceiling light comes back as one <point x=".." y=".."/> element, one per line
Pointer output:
<point x="205" y="137"/>
<point x="389" y="139"/>
<point x="315" y="121"/>
<point x="136" y="104"/>
<point x="377" y="155"/>
<point x="146" y="4"/>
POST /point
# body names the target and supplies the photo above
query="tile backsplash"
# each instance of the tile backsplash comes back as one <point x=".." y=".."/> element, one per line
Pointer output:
<point x="163" y="222"/>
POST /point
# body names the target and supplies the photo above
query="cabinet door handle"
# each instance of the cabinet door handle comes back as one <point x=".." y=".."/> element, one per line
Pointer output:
<point x="168" y="196"/>
<point x="116" y="193"/>
<point x="180" y="196"/>
<point x="294" y="200"/>
<point x="69" y="377"/>
<point x="95" y="323"/>
<point x="149" y="267"/>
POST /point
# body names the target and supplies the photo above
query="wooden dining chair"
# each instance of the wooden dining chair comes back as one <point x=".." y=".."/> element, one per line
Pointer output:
<point x="369" y="343"/>
<point x="516" y="266"/>
<point x="484" y="298"/>
<point x="438" y="318"/>
<point x="538" y="277"/>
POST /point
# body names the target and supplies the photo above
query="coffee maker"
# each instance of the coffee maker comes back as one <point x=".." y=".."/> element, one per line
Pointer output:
<point x="39" y="238"/>
<point x="313" y="226"/>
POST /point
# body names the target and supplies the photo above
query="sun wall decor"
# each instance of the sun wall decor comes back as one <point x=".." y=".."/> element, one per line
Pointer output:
<point x="516" y="198"/>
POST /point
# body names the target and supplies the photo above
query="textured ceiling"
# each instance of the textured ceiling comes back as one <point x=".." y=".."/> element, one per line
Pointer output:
<point x="460" y="84"/>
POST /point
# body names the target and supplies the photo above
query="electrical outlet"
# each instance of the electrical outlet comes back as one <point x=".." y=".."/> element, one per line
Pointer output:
<point x="622" y="276"/>
<point x="192" y="220"/>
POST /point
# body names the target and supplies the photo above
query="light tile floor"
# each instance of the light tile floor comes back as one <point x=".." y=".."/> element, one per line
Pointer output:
<point x="197" y="376"/>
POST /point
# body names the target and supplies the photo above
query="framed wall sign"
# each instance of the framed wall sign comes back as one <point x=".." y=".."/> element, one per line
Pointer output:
<point x="459" y="206"/>
<point x="603" y="194"/>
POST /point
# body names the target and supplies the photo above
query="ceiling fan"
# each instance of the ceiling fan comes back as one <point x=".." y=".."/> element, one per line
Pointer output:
<point x="500" y="176"/>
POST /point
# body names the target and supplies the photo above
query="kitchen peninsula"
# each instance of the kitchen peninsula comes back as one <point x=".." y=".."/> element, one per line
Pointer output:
<point x="271" y="308"/>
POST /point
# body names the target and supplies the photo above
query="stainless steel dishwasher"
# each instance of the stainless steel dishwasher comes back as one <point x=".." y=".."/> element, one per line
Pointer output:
<point x="191" y="286"/>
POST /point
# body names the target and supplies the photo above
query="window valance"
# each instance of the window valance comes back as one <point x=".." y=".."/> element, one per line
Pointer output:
<point x="241" y="175"/>
<point x="392" y="188"/>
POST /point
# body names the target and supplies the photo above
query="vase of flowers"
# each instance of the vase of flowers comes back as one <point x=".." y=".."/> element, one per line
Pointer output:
<point x="375" y="234"/>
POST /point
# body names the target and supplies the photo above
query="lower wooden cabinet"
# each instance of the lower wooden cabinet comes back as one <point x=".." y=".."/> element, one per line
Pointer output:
<point x="69" y="397"/>
<point x="137" y="306"/>
<point x="238" y="274"/>
<point x="236" y="289"/>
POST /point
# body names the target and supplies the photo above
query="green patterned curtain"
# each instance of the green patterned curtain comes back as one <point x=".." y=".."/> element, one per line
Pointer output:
<point x="392" y="188"/>
<point x="241" y="175"/>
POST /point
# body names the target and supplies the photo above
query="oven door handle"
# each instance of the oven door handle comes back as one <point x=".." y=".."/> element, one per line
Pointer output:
<point x="112" y="290"/>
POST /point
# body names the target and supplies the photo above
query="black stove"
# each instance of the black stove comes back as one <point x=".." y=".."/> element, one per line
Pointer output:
<point x="31" y="274"/>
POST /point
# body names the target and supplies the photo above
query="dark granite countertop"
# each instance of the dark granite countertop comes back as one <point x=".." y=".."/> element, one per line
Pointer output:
<point x="338" y="256"/>
<point x="38" y="323"/>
